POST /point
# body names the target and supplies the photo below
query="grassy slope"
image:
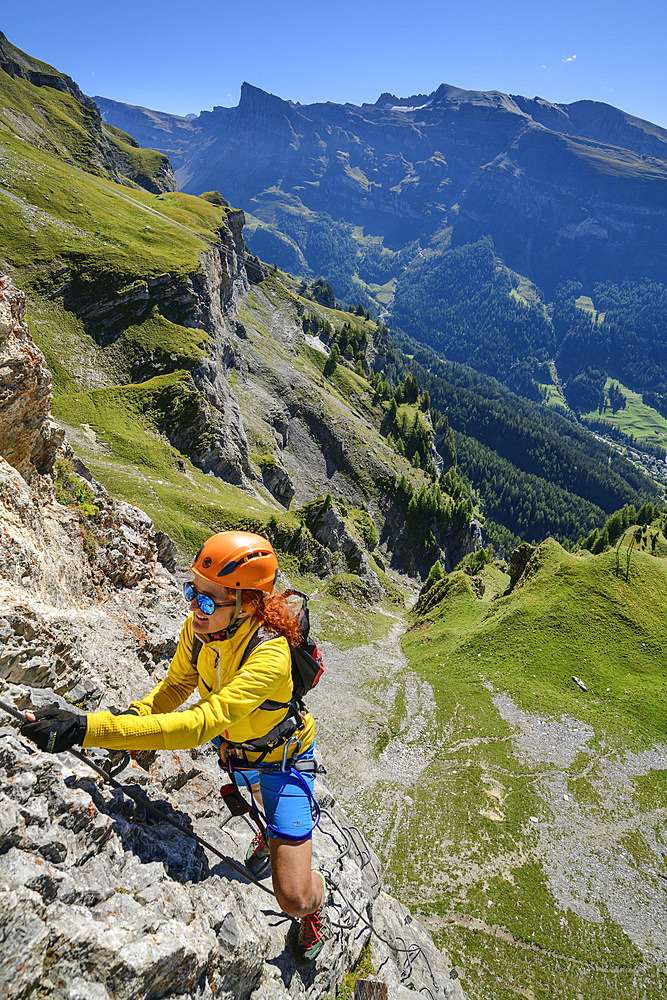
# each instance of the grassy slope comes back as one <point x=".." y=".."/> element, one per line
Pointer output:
<point x="55" y="213"/>
<point x="645" y="423"/>
<point x="55" y="121"/>
<point x="492" y="883"/>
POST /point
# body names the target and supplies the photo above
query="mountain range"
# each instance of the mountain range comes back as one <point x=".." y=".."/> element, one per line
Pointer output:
<point x="565" y="191"/>
<point x="524" y="238"/>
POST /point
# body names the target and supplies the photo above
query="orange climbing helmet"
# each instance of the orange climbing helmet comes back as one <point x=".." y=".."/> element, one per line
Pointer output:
<point x="239" y="560"/>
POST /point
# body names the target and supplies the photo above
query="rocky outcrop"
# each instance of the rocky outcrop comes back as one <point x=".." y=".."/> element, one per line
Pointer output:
<point x="457" y="544"/>
<point x="28" y="437"/>
<point x="63" y="535"/>
<point x="96" y="902"/>
<point x="329" y="527"/>
<point x="277" y="481"/>
<point x="519" y="559"/>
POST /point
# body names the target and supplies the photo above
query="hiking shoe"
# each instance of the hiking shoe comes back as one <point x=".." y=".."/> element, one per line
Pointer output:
<point x="315" y="928"/>
<point x="258" y="858"/>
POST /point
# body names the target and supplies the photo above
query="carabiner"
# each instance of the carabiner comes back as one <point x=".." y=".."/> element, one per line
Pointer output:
<point x="284" y="766"/>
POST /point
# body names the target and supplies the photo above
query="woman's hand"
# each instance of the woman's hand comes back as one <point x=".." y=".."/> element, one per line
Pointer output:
<point x="54" y="729"/>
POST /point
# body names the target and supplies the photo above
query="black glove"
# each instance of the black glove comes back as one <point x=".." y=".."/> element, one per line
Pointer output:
<point x="55" y="729"/>
<point x="122" y="711"/>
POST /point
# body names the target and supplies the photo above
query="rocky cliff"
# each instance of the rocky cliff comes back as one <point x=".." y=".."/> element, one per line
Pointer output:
<point x="96" y="901"/>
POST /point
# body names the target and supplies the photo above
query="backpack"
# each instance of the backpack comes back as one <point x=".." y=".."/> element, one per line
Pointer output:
<point x="307" y="663"/>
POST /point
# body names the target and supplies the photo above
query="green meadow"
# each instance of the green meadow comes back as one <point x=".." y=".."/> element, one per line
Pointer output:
<point x="636" y="418"/>
<point x="520" y="764"/>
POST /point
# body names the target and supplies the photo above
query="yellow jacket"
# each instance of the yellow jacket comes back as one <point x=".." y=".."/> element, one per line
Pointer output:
<point x="228" y="704"/>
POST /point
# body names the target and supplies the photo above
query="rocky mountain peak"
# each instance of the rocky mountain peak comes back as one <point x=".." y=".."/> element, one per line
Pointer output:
<point x="254" y="98"/>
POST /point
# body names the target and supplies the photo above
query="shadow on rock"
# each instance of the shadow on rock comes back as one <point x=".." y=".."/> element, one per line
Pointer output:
<point x="149" y="838"/>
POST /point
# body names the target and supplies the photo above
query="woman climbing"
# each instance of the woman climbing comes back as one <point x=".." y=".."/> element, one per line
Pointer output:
<point x="245" y="707"/>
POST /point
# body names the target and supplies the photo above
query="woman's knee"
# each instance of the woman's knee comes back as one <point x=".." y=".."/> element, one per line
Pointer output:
<point x="296" y="901"/>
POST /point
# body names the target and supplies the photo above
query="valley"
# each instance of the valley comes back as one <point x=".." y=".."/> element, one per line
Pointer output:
<point x="521" y="818"/>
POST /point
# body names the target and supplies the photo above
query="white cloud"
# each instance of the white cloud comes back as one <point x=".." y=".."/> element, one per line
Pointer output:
<point x="542" y="66"/>
<point x="569" y="59"/>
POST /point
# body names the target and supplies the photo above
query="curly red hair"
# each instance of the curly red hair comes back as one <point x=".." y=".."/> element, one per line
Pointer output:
<point x="274" y="611"/>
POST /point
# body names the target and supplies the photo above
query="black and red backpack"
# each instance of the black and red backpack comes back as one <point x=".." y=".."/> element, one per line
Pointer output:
<point x="307" y="664"/>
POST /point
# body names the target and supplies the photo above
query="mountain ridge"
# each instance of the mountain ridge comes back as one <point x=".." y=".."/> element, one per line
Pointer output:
<point x="583" y="185"/>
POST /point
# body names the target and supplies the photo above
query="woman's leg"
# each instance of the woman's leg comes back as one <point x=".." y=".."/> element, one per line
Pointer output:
<point x="288" y="799"/>
<point x="298" y="889"/>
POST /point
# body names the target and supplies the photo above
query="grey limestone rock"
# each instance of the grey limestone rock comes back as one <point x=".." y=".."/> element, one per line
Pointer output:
<point x="329" y="527"/>
<point x="28" y="437"/>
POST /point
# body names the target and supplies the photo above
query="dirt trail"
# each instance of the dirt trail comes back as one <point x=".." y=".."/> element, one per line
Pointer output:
<point x="373" y="717"/>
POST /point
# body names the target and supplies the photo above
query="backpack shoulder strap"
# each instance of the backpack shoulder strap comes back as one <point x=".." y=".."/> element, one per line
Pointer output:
<point x="197" y="644"/>
<point x="263" y="634"/>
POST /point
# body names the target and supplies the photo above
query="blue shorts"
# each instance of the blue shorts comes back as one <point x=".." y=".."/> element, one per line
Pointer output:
<point x="287" y="797"/>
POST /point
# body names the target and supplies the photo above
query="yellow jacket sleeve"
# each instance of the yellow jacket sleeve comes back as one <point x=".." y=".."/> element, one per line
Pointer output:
<point x="232" y="712"/>
<point x="177" y="686"/>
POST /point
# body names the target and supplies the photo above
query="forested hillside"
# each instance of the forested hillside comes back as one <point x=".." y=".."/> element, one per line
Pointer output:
<point x="536" y="472"/>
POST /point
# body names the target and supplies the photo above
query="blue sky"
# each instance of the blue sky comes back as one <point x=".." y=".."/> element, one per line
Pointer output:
<point x="185" y="58"/>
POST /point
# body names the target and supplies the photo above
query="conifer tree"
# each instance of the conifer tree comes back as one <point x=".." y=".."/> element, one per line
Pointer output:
<point x="435" y="573"/>
<point x="332" y="361"/>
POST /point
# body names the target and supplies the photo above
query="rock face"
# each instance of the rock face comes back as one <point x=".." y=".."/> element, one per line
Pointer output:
<point x="81" y="547"/>
<point x="519" y="559"/>
<point x="28" y="437"/>
<point x="97" y="902"/>
<point x="328" y="527"/>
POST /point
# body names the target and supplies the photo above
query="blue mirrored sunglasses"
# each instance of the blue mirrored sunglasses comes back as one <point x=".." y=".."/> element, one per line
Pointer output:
<point x="205" y="603"/>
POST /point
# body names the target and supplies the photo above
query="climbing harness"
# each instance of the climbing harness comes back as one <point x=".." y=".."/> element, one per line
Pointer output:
<point x="294" y="766"/>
